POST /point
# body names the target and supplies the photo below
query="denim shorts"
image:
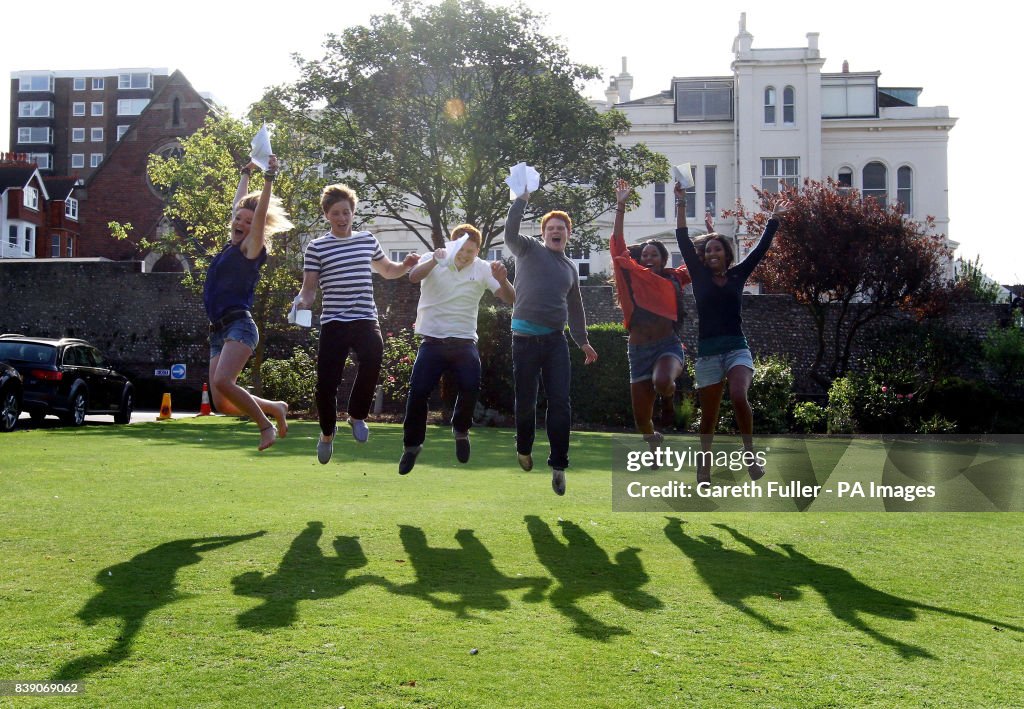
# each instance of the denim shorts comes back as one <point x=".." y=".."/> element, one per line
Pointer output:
<point x="242" y="330"/>
<point x="713" y="368"/>
<point x="642" y="358"/>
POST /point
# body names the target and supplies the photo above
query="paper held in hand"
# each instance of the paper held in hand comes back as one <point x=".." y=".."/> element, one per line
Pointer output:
<point x="452" y="248"/>
<point x="683" y="174"/>
<point x="261" y="148"/>
<point x="522" y="178"/>
<point x="302" y="318"/>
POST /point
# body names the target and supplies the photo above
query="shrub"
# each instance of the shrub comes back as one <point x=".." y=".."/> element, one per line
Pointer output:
<point x="600" y="391"/>
<point x="497" y="388"/>
<point x="771" y="394"/>
<point x="841" y="397"/>
<point x="808" y="417"/>
<point x="936" y="424"/>
<point x="396" y="367"/>
<point x="882" y="406"/>
<point x="973" y="405"/>
<point x="1004" y="351"/>
<point x="292" y="380"/>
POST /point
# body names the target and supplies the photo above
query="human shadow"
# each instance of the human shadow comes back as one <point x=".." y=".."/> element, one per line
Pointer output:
<point x="582" y="568"/>
<point x="134" y="589"/>
<point x="304" y="573"/>
<point x="782" y="575"/>
<point x="468" y="573"/>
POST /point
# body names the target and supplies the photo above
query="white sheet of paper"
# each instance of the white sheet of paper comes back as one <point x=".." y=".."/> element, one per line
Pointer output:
<point x="683" y="174"/>
<point x="261" y="148"/>
<point x="522" y="178"/>
<point x="302" y="318"/>
<point x="452" y="248"/>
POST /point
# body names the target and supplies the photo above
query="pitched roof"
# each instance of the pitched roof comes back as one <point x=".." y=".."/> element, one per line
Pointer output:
<point x="15" y="176"/>
<point x="59" y="187"/>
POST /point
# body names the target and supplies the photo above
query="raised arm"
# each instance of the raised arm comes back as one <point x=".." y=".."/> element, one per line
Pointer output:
<point x="243" y="187"/>
<point x="747" y="266"/>
<point x="686" y="248"/>
<point x="617" y="242"/>
<point x="426" y="265"/>
<point x="517" y="243"/>
<point x="253" y="244"/>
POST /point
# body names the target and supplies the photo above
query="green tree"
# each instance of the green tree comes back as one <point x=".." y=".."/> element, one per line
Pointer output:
<point x="423" y="112"/>
<point x="972" y="283"/>
<point x="199" y="184"/>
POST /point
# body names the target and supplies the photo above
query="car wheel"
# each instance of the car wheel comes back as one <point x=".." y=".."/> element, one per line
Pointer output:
<point x="127" y="403"/>
<point x="75" y="415"/>
<point x="10" y="409"/>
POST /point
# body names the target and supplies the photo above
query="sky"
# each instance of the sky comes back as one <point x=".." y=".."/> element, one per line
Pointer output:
<point x="962" y="55"/>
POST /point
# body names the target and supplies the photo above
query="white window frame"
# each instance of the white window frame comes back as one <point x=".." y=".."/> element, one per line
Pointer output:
<point x="78" y="108"/>
<point x="77" y="161"/>
<point x="660" y="190"/>
<point x="98" y="83"/>
<point x="37" y="158"/>
<point x="29" y="242"/>
<point x="494" y="255"/>
<point x="25" y="135"/>
<point x="25" y="83"/>
<point x="789" y="106"/>
<point x="122" y="129"/>
<point x="96" y="109"/>
<point x="905" y="195"/>
<point x="126" y="106"/>
<point x="126" y="80"/>
<point x="70" y="246"/>
<point x="95" y="159"/>
<point x="78" y="83"/>
<point x="78" y="135"/>
<point x="400" y="254"/>
<point x="29" y="109"/>
<point x="774" y="170"/>
<point x="55" y="246"/>
<point x="879" y="194"/>
<point x="30" y="198"/>
<point x="71" y="208"/>
<point x="770" y="105"/>
<point x="96" y="135"/>
<point x="12" y="236"/>
<point x="711" y="189"/>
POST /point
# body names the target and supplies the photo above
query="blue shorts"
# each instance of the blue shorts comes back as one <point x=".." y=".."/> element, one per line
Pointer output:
<point x="642" y="358"/>
<point x="242" y="330"/>
<point x="713" y="368"/>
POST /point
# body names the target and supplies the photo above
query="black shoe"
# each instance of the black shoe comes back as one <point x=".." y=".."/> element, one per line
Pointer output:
<point x="525" y="461"/>
<point x="558" y="481"/>
<point x="462" y="447"/>
<point x="408" y="461"/>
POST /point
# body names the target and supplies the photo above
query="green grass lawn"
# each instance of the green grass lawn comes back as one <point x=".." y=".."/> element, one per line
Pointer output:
<point x="171" y="564"/>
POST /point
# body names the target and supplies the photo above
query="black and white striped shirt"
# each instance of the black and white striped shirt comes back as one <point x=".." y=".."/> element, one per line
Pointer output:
<point x="346" y="278"/>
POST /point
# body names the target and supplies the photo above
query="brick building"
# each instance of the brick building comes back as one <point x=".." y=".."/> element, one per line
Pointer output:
<point x="38" y="214"/>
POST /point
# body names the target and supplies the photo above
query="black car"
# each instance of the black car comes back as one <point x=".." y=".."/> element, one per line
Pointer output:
<point x="10" y="397"/>
<point x="67" y="377"/>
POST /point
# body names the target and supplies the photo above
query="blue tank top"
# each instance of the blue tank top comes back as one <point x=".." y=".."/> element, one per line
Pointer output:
<point x="231" y="281"/>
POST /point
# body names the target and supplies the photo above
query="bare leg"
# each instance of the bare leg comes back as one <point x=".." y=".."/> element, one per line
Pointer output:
<point x="710" y="401"/>
<point x="642" y="394"/>
<point x="230" y="398"/>
<point x="740" y="378"/>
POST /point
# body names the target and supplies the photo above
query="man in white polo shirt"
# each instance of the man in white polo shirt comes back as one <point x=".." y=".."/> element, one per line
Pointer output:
<point x="452" y="282"/>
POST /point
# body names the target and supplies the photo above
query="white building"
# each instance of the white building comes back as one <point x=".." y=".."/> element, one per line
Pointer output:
<point x="779" y="117"/>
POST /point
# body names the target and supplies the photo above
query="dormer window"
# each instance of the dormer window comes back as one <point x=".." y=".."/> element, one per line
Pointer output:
<point x="30" y="198"/>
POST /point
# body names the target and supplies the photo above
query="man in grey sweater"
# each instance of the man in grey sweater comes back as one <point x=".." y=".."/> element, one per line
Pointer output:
<point x="547" y="295"/>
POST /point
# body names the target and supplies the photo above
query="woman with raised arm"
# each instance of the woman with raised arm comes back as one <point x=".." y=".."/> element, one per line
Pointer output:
<point x="722" y="350"/>
<point x="228" y="295"/>
<point x="650" y="294"/>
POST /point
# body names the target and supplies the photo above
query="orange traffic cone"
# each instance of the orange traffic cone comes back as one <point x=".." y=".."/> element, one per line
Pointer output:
<point x="204" y="408"/>
<point x="165" y="407"/>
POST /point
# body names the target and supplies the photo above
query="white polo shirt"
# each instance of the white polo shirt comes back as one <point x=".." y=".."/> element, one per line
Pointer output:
<point x="450" y="299"/>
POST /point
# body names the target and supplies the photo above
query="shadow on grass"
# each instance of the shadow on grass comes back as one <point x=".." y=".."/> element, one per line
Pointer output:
<point x="467" y="573"/>
<point x="134" y="589"/>
<point x="305" y="573"/>
<point x="582" y="568"/>
<point x="733" y="576"/>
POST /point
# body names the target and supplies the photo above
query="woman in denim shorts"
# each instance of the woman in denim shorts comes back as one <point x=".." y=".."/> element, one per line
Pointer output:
<point x="722" y="351"/>
<point x="228" y="296"/>
<point x="650" y="295"/>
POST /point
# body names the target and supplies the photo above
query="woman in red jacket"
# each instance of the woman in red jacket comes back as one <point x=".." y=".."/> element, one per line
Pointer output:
<point x="651" y="296"/>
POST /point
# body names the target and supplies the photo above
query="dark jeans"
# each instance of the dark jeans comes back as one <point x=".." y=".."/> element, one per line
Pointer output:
<point x="363" y="338"/>
<point x="434" y="358"/>
<point x="543" y="358"/>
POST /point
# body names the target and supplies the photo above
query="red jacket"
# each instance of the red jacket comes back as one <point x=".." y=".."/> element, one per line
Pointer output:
<point x="646" y="289"/>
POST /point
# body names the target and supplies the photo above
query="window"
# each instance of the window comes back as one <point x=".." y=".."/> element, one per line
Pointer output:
<point x="95" y="159"/>
<point x="36" y="82"/>
<point x="691" y="194"/>
<point x="35" y="109"/>
<point x="55" y="246"/>
<point x="71" y="208"/>
<point x="398" y="255"/>
<point x="30" y="240"/>
<point x="77" y="160"/>
<point x="131" y="106"/>
<point x="142" y="80"/>
<point x="35" y="135"/>
<point x="12" y="236"/>
<point x="121" y="130"/>
<point x="788" y="105"/>
<point x="78" y="108"/>
<point x="769" y="106"/>
<point x="79" y="84"/>
<point x="874" y="180"/>
<point x="97" y="108"/>
<point x="905" y="189"/>
<point x="659" y="200"/>
<point x="96" y="135"/>
<point x="98" y="84"/>
<point x="71" y="246"/>
<point x="581" y="257"/>
<point x="30" y="198"/>
<point x="710" y="189"/>
<point x="703" y="100"/>
<point x="494" y="255"/>
<point x="844" y="180"/>
<point x="78" y="135"/>
<point x="776" y="170"/>
<point x="44" y="161"/>
<point x="843" y="98"/>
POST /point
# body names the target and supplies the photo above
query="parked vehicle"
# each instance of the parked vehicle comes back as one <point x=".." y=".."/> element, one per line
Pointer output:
<point x="10" y="397"/>
<point x="67" y="377"/>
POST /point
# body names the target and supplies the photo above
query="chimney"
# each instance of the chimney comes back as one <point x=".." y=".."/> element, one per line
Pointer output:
<point x="846" y="67"/>
<point x="744" y="40"/>
<point x="624" y="83"/>
<point x="611" y="94"/>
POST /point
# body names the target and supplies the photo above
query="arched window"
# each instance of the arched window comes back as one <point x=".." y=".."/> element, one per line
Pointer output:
<point x="788" y="105"/>
<point x="905" y="189"/>
<point x="844" y="179"/>
<point x="176" y="112"/>
<point x="769" y="105"/>
<point x="875" y="178"/>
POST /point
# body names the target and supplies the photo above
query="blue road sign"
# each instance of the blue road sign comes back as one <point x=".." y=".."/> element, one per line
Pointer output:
<point x="178" y="371"/>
